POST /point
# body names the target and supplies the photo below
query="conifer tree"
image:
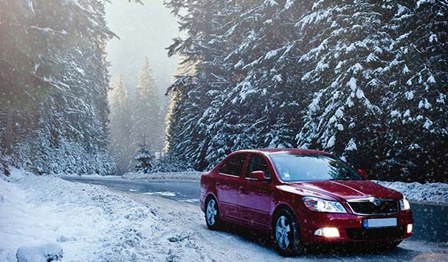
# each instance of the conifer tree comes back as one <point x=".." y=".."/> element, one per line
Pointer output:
<point x="148" y="121"/>
<point x="144" y="159"/>
<point x="120" y="123"/>
<point x="53" y="83"/>
<point x="416" y="112"/>
<point x="343" y="70"/>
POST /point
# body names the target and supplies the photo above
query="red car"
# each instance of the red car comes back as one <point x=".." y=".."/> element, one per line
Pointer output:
<point x="303" y="197"/>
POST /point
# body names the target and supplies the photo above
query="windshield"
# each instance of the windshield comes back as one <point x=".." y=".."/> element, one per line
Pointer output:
<point x="295" y="167"/>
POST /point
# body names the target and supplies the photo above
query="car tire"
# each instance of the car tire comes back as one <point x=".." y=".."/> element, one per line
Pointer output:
<point x="286" y="234"/>
<point x="212" y="214"/>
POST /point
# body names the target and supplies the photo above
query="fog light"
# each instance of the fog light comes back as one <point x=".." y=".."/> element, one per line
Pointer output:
<point x="409" y="229"/>
<point x="327" y="232"/>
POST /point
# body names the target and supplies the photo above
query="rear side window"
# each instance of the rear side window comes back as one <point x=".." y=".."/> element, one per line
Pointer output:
<point x="257" y="163"/>
<point x="234" y="165"/>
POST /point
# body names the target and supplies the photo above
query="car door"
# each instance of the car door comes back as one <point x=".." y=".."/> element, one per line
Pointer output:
<point x="255" y="198"/>
<point x="228" y="184"/>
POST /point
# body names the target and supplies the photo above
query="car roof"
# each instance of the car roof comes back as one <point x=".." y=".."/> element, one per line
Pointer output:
<point x="268" y="151"/>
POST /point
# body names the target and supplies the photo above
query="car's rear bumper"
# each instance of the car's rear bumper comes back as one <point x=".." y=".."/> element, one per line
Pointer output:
<point x="351" y="229"/>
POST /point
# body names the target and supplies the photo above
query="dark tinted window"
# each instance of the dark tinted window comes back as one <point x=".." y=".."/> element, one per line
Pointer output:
<point x="257" y="163"/>
<point x="234" y="165"/>
<point x="292" y="167"/>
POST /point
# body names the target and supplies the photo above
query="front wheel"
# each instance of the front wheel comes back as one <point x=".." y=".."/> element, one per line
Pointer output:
<point x="287" y="235"/>
<point x="212" y="214"/>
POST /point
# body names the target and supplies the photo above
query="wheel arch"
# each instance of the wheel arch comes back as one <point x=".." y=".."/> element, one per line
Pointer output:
<point x="278" y="208"/>
<point x="211" y="195"/>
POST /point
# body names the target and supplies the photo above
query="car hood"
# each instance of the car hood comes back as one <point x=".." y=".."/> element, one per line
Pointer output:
<point x="345" y="189"/>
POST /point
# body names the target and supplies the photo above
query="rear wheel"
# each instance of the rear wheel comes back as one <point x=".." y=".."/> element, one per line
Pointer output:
<point x="212" y="214"/>
<point x="287" y="235"/>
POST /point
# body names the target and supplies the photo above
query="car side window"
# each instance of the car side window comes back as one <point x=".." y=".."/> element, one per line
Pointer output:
<point x="234" y="165"/>
<point x="257" y="163"/>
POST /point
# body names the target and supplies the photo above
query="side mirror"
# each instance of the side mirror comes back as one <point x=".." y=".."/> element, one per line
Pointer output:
<point x="363" y="173"/>
<point x="258" y="175"/>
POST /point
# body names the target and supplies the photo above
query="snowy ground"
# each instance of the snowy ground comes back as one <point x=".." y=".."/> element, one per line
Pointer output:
<point x="92" y="223"/>
<point x="89" y="222"/>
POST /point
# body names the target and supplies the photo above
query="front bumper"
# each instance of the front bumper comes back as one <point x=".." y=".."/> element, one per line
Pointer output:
<point x="351" y="229"/>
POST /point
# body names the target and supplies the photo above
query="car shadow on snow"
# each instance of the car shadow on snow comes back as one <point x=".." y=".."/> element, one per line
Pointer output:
<point x="326" y="251"/>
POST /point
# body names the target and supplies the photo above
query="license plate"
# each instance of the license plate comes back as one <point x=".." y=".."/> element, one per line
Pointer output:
<point x="379" y="222"/>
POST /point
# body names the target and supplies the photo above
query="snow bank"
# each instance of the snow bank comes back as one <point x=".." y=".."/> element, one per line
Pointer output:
<point x="433" y="192"/>
<point x="40" y="253"/>
<point x="90" y="223"/>
<point x="96" y="176"/>
<point x="188" y="175"/>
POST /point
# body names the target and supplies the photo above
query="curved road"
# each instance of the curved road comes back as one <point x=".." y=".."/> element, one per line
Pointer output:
<point x="430" y="220"/>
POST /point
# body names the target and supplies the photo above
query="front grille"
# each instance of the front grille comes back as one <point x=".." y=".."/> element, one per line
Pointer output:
<point x="368" y="207"/>
<point x="389" y="233"/>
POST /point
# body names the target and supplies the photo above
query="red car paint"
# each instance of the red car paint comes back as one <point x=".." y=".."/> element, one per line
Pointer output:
<point x="252" y="203"/>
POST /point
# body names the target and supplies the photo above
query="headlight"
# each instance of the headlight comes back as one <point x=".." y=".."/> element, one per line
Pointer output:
<point x="321" y="205"/>
<point x="404" y="204"/>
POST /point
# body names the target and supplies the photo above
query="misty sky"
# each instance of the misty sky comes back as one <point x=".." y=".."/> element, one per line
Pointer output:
<point x="143" y="30"/>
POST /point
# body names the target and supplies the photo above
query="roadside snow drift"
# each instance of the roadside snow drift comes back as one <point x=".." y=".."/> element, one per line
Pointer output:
<point x="88" y="222"/>
<point x="40" y="253"/>
<point x="432" y="192"/>
<point x="189" y="175"/>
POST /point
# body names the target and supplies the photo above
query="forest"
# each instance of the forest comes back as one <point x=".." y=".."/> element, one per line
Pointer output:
<point x="365" y="80"/>
<point x="53" y="85"/>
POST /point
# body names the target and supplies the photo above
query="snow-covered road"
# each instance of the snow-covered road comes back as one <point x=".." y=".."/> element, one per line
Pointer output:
<point x="93" y="223"/>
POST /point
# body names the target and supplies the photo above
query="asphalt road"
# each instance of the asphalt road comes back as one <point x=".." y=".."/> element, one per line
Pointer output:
<point x="430" y="220"/>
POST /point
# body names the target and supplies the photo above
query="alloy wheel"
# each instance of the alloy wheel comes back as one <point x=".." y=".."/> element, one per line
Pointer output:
<point x="283" y="232"/>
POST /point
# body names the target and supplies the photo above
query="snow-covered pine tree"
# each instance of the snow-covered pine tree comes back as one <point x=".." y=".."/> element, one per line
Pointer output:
<point x="144" y="159"/>
<point x="416" y="112"/>
<point x="120" y="123"/>
<point x="54" y="54"/>
<point x="148" y="120"/>
<point x="21" y="87"/>
<point x="343" y="67"/>
<point x="192" y="116"/>
<point x="243" y="89"/>
<point x="248" y="114"/>
<point x="256" y="100"/>
<point x="231" y="86"/>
